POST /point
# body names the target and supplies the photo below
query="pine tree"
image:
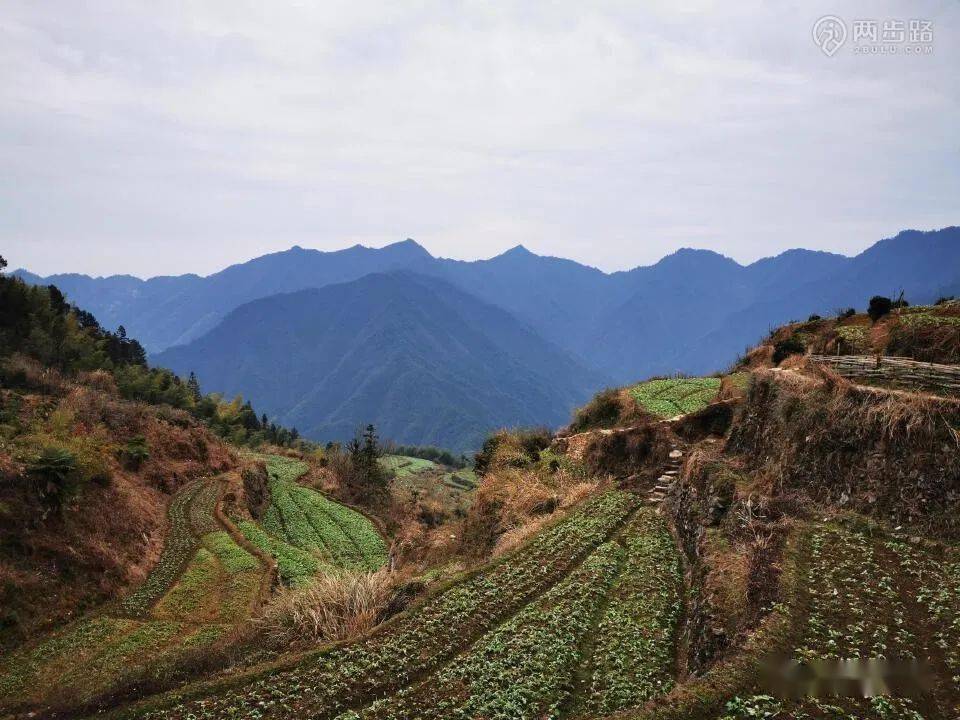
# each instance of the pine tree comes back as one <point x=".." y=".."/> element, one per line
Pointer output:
<point x="193" y="385"/>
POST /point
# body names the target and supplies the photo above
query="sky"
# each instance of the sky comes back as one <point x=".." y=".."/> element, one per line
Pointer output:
<point x="163" y="138"/>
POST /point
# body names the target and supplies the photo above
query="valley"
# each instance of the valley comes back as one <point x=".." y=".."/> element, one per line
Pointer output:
<point x="662" y="556"/>
<point x="657" y="418"/>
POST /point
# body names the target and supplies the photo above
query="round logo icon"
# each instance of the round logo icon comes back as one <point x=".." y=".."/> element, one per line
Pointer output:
<point x="829" y="34"/>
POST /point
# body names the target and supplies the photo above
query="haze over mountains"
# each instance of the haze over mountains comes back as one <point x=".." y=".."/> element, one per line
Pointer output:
<point x="439" y="351"/>
<point x="422" y="358"/>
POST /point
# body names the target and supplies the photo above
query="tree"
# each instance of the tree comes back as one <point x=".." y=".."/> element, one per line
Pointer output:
<point x="193" y="385"/>
<point x="3" y="264"/>
<point x="371" y="446"/>
<point x="57" y="301"/>
<point x="879" y="306"/>
<point x="364" y="453"/>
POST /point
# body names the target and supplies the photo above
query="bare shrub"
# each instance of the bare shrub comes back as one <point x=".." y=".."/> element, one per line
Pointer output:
<point x="99" y="381"/>
<point x="891" y="455"/>
<point x="333" y="607"/>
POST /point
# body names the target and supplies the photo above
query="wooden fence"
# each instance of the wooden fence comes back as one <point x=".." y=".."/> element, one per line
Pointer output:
<point x="943" y="379"/>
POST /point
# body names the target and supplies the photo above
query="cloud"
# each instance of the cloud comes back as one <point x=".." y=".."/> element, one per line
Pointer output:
<point x="162" y="139"/>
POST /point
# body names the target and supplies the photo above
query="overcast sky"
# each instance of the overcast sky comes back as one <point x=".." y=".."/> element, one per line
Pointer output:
<point x="169" y="137"/>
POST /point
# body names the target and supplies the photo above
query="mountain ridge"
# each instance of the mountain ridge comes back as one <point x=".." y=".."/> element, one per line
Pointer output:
<point x="694" y="311"/>
<point x="424" y="360"/>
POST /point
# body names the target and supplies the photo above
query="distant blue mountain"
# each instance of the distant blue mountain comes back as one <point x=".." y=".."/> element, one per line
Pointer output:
<point x="693" y="311"/>
<point x="426" y="361"/>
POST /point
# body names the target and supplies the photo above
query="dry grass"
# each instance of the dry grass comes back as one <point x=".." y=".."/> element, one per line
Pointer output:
<point x="893" y="455"/>
<point x="110" y="531"/>
<point x="334" y="607"/>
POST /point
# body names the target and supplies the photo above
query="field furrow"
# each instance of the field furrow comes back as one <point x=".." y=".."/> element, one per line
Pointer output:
<point x="523" y="669"/>
<point x="418" y="642"/>
<point x="633" y="646"/>
<point x="870" y="596"/>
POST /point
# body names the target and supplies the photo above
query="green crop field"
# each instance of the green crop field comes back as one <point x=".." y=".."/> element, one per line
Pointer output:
<point x="402" y="465"/>
<point x="409" y="650"/>
<point x="871" y="596"/>
<point x="465" y="479"/>
<point x="305" y="520"/>
<point x="203" y="584"/>
<point x="600" y="640"/>
<point x="670" y="397"/>
<point x="180" y="545"/>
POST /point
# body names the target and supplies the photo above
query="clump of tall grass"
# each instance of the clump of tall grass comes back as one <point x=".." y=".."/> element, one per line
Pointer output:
<point x="332" y="607"/>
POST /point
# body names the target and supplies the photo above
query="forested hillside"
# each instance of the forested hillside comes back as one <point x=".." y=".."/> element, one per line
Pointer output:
<point x="427" y="362"/>
<point x="694" y="311"/>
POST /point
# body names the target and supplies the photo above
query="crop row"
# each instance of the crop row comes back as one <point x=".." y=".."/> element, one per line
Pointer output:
<point x="181" y="610"/>
<point x="879" y="707"/>
<point x="181" y="542"/>
<point x="25" y="671"/>
<point x="676" y="396"/>
<point x="938" y="593"/>
<point x="346" y="531"/>
<point x="203" y="518"/>
<point x="522" y="670"/>
<point x="633" y="654"/>
<point x="306" y="519"/>
<point x="219" y="584"/>
<point x="296" y="567"/>
<point x="856" y="609"/>
<point x="417" y="642"/>
<point x="90" y="656"/>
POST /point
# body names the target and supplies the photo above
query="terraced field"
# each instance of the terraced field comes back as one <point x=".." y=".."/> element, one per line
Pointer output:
<point x="202" y="586"/>
<point x="601" y="640"/>
<point x="450" y="489"/>
<point x="465" y="479"/>
<point x="403" y="465"/>
<point x="532" y="607"/>
<point x="669" y="397"/>
<point x="308" y="533"/>
<point x="873" y="596"/>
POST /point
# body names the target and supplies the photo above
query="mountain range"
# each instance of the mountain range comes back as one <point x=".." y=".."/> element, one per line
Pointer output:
<point x="439" y="351"/>
<point x="425" y="360"/>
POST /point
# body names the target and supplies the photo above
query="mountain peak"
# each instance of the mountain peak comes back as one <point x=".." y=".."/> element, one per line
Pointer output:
<point x="408" y="248"/>
<point x="700" y="256"/>
<point x="517" y="251"/>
